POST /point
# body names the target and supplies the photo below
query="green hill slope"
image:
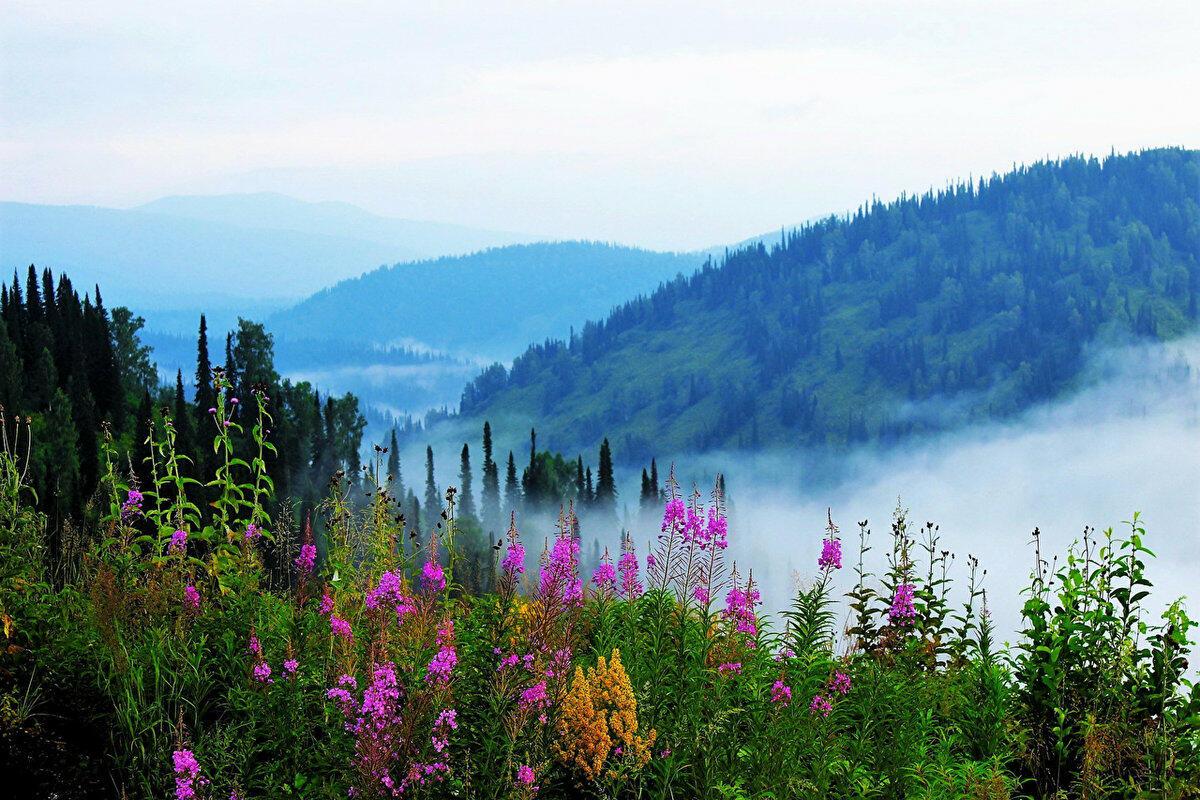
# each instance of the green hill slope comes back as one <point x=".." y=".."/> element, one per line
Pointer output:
<point x="968" y="303"/>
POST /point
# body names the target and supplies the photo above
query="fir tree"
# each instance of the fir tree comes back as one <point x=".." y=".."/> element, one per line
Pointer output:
<point x="466" y="499"/>
<point x="512" y="489"/>
<point x="606" y="487"/>
<point x="490" y="502"/>
<point x="433" y="499"/>
<point x="395" y="478"/>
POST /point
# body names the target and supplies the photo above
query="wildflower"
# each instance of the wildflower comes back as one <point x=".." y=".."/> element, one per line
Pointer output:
<point x="441" y="666"/>
<point x="446" y="721"/>
<point x="730" y="668"/>
<point x="326" y="607"/>
<point x="290" y="666"/>
<point x="903" y="611"/>
<point x="178" y="544"/>
<point x="558" y="578"/>
<point x="840" y="683"/>
<point x="820" y="705"/>
<point x="717" y="534"/>
<point x="534" y="697"/>
<point x="307" y="560"/>
<point x="785" y="653"/>
<point x="389" y="592"/>
<point x="739" y="607"/>
<point x="433" y="577"/>
<point x="831" y="554"/>
<point x="631" y="587"/>
<point x="599" y="716"/>
<point x="255" y="647"/>
<point x="340" y="627"/>
<point x="253" y="532"/>
<point x="525" y="779"/>
<point x="605" y="576"/>
<point x="674" y="517"/>
<point x="132" y="507"/>
<point x="191" y="597"/>
<point x="781" y="693"/>
<point x="343" y="698"/>
<point x="187" y="774"/>
<point x="513" y="562"/>
<point x="701" y="594"/>
<point x="262" y="672"/>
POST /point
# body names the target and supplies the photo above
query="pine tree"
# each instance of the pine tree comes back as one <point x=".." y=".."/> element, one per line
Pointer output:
<point x="589" y="496"/>
<point x="395" y="477"/>
<point x="466" y="507"/>
<point x="185" y="443"/>
<point x="206" y="398"/>
<point x="490" y="503"/>
<point x="580" y="489"/>
<point x="654" y="484"/>
<point x="606" y="487"/>
<point x="646" y="496"/>
<point x="512" y="489"/>
<point x="433" y="499"/>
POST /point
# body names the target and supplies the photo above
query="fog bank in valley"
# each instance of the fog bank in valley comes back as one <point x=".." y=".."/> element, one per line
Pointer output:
<point x="1129" y="440"/>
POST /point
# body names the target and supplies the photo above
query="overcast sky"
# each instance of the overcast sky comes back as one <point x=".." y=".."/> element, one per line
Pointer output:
<point x="670" y="125"/>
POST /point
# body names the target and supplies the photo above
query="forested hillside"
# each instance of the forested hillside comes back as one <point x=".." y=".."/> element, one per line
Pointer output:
<point x="980" y="298"/>
<point x="491" y="303"/>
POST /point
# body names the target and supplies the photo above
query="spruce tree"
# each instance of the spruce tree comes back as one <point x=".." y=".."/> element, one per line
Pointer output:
<point x="466" y="500"/>
<point x="433" y="499"/>
<point x="606" y="487"/>
<point x="490" y="502"/>
<point x="512" y="489"/>
<point x="589" y="492"/>
<point x="654" y="484"/>
<point x="393" y="468"/>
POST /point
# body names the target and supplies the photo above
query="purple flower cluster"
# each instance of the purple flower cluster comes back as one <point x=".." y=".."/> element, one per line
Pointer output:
<point x="446" y="721"/>
<point x="514" y="558"/>
<point x="388" y="594"/>
<point x="443" y="663"/>
<point x="689" y="525"/>
<point x="781" y="693"/>
<point x="131" y="509"/>
<point x="253" y="533"/>
<point x="558" y="578"/>
<point x="840" y="683"/>
<point x="307" y="560"/>
<point x="262" y="672"/>
<point x="326" y="607"/>
<point x="903" y="612"/>
<point x="605" y="576"/>
<point x="525" y="779"/>
<point x="739" y="607"/>
<point x="187" y="774"/>
<point x="191" y="598"/>
<point x="820" y="705"/>
<point x="730" y="668"/>
<point x="433" y="577"/>
<point x="831" y="554"/>
<point x="178" y="544"/>
<point x="290" y="666"/>
<point x="340" y="627"/>
<point x="534" y="697"/>
<point x="627" y="564"/>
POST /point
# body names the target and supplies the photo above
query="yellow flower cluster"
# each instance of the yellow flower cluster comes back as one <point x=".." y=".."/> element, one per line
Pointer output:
<point x="599" y="719"/>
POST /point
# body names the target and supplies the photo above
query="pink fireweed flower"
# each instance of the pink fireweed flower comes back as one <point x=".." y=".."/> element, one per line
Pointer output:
<point x="717" y="534"/>
<point x="187" y="774"/>
<point x="840" y="683"/>
<point x="605" y="576"/>
<point x="439" y="669"/>
<point x="253" y="532"/>
<point x="674" y="517"/>
<point x="701" y="594"/>
<point x="731" y="668"/>
<point x="389" y="593"/>
<point x="131" y="509"/>
<point x="178" y="544"/>
<point x="514" y="558"/>
<point x="446" y="721"/>
<point x="739" y="607"/>
<point x="290" y="666"/>
<point x="307" y="560"/>
<point x="525" y="778"/>
<point x="781" y="693"/>
<point x="903" y="611"/>
<point x="433" y="577"/>
<point x="559" y="578"/>
<point x="326" y="607"/>
<point x="340" y="627"/>
<point x="254" y="646"/>
<point x="786" y="652"/>
<point x="820" y="705"/>
<point x="534" y="697"/>
<point x="262" y="672"/>
<point x="831" y="554"/>
<point x="631" y="587"/>
<point x="509" y="660"/>
<point x="191" y="597"/>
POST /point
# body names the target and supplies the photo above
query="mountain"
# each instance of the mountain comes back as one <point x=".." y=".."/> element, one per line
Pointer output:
<point x="408" y="239"/>
<point x="224" y="250"/>
<point x="486" y="305"/>
<point x="972" y="302"/>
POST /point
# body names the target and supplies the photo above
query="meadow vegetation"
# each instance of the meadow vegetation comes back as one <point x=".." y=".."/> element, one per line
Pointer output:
<point x="201" y="641"/>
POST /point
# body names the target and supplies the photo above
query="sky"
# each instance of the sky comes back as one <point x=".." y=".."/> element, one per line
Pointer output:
<point x="671" y="125"/>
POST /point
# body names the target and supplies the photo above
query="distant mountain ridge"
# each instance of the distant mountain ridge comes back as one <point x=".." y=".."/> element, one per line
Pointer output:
<point x="861" y="327"/>
<point x="488" y="304"/>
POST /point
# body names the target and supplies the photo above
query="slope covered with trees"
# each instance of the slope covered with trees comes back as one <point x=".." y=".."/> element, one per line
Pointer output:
<point x="490" y="303"/>
<point x="985" y="294"/>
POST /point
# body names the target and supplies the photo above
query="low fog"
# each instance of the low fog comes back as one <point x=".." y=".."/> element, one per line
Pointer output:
<point x="1127" y="441"/>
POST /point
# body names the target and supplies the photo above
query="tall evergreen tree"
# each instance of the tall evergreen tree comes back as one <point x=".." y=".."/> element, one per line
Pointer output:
<point x="657" y="487"/>
<point x="466" y="506"/>
<point x="490" y="502"/>
<point x="512" y="488"/>
<point x="433" y="499"/>
<point x="185" y="442"/>
<point x="393" y="468"/>
<point x="589" y="491"/>
<point x="606" y="487"/>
